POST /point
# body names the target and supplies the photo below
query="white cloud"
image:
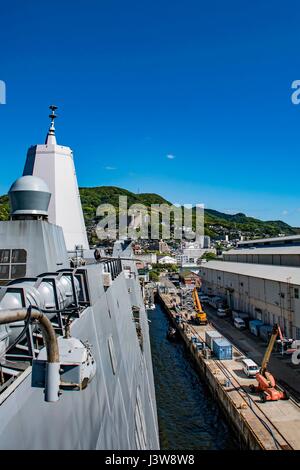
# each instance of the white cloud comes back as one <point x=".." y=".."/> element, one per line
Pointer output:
<point x="285" y="212"/>
<point x="170" y="156"/>
<point x="110" y="168"/>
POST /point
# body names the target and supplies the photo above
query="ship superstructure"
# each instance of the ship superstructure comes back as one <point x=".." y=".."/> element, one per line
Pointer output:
<point x="55" y="165"/>
<point x="76" y="368"/>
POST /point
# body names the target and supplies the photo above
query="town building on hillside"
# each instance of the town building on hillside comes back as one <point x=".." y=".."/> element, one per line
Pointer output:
<point x="167" y="260"/>
<point x="163" y="247"/>
<point x="137" y="249"/>
<point x="150" y="258"/>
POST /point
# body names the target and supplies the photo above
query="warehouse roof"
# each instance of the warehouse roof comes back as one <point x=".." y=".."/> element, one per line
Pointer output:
<point x="262" y="271"/>
<point x="264" y="240"/>
<point x="271" y="250"/>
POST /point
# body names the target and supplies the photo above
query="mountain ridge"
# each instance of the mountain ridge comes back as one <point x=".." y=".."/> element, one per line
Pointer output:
<point x="216" y="222"/>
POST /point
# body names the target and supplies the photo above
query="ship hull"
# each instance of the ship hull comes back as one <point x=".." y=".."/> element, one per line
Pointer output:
<point x="118" y="409"/>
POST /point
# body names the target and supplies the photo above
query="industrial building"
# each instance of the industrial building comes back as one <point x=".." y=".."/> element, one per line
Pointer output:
<point x="189" y="278"/>
<point x="281" y="251"/>
<point x="267" y="292"/>
<point x="281" y="256"/>
<point x="291" y="240"/>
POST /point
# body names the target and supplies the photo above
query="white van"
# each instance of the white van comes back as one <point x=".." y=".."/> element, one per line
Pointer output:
<point x="239" y="323"/>
<point x="223" y="312"/>
<point x="250" y="367"/>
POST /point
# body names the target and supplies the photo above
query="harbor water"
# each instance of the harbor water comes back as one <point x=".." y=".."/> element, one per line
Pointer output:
<point x="188" y="416"/>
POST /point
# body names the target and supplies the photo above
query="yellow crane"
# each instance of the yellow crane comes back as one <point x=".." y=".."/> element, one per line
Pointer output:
<point x="201" y="317"/>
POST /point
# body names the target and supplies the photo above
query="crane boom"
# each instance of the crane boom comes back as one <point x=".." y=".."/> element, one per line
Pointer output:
<point x="201" y="315"/>
<point x="197" y="301"/>
<point x="266" y="381"/>
<point x="275" y="332"/>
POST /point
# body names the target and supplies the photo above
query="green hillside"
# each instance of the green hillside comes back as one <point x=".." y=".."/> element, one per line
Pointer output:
<point x="91" y="198"/>
<point x="215" y="222"/>
<point x="4" y="208"/>
<point x="246" y="224"/>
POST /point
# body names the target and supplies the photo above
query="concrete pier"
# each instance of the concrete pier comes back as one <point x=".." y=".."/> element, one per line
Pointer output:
<point x="259" y="426"/>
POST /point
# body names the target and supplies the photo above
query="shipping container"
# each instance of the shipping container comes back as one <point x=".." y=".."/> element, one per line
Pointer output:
<point x="254" y="326"/>
<point x="265" y="332"/>
<point x="210" y="335"/>
<point x="222" y="348"/>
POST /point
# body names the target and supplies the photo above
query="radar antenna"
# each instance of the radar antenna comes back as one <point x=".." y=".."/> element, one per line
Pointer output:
<point x="52" y="116"/>
<point x="50" y="139"/>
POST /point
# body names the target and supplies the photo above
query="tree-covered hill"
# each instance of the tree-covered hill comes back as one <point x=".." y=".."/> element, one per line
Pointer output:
<point x="241" y="222"/>
<point x="91" y="198"/>
<point x="4" y="208"/>
<point x="215" y="222"/>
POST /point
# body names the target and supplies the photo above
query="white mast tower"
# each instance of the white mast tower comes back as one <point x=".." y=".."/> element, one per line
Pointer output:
<point x="55" y="165"/>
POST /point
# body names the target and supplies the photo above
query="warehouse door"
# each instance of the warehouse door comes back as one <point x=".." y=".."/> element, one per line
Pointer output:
<point x="230" y="300"/>
<point x="258" y="314"/>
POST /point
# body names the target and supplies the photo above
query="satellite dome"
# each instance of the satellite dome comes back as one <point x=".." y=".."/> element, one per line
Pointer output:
<point x="29" y="195"/>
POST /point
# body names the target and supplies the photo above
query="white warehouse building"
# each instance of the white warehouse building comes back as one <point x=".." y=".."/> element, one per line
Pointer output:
<point x="285" y="256"/>
<point x="267" y="292"/>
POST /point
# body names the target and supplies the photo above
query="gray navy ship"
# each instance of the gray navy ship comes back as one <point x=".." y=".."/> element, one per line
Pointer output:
<point x="75" y="358"/>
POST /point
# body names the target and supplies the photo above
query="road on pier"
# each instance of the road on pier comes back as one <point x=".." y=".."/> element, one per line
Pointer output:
<point x="284" y="371"/>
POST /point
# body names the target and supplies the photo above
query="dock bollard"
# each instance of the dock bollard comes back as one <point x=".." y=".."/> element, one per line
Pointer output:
<point x="227" y="383"/>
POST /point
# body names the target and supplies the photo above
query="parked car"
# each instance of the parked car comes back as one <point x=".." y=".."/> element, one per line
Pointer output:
<point x="223" y="312"/>
<point x="239" y="323"/>
<point x="204" y="298"/>
<point x="250" y="368"/>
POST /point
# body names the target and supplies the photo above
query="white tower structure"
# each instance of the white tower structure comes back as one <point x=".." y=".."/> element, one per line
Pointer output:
<point x="55" y="165"/>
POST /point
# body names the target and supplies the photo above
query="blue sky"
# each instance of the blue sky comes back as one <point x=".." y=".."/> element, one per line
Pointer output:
<point x="207" y="82"/>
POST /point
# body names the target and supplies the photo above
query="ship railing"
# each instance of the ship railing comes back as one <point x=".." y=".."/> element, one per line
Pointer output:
<point x="112" y="266"/>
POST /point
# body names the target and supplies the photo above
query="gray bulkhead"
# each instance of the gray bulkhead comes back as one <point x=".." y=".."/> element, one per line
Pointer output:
<point x="117" y="410"/>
